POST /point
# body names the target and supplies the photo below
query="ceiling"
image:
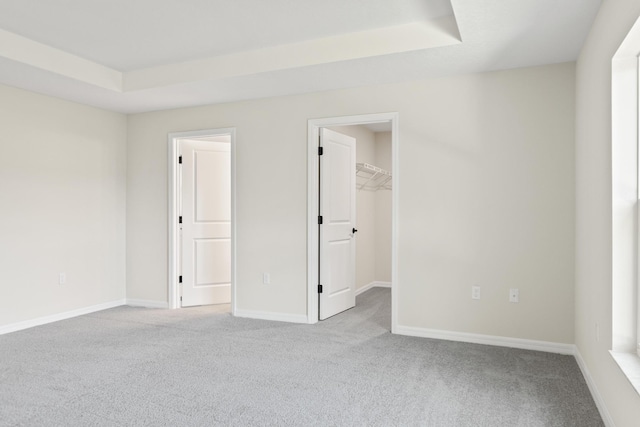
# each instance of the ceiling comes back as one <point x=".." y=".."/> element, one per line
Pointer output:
<point x="145" y="55"/>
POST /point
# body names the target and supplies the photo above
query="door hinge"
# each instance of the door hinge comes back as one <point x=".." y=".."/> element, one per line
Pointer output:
<point x="319" y="289"/>
<point x="319" y="219"/>
<point x="320" y="151"/>
<point x="179" y="279"/>
<point x="180" y="220"/>
<point x="180" y="159"/>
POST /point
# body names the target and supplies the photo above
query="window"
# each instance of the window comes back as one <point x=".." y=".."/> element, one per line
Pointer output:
<point x="626" y="207"/>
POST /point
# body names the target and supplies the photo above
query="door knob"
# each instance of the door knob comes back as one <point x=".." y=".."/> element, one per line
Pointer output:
<point x="354" y="231"/>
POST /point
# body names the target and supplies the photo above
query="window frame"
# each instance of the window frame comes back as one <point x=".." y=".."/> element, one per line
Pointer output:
<point x="625" y="158"/>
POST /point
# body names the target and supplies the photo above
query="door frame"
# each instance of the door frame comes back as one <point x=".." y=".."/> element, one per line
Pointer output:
<point x="173" y="239"/>
<point x="313" y="129"/>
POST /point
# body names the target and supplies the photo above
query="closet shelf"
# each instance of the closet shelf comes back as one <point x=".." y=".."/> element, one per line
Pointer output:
<point x="372" y="178"/>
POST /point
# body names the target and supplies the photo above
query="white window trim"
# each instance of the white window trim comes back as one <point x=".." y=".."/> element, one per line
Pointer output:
<point x="625" y="121"/>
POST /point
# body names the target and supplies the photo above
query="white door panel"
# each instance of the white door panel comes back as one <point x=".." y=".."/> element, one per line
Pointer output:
<point x="338" y="209"/>
<point x="339" y="254"/>
<point x="340" y="169"/>
<point x="206" y="222"/>
<point x="215" y="255"/>
<point x="213" y="185"/>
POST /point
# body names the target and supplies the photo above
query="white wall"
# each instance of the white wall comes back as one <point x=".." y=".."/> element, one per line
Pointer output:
<point x="62" y="181"/>
<point x="383" y="211"/>
<point x="486" y="197"/>
<point x="594" y="196"/>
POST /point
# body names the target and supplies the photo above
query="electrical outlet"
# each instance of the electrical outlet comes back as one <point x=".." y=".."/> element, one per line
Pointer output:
<point x="475" y="292"/>
<point x="266" y="278"/>
<point x="62" y="278"/>
<point x="514" y="295"/>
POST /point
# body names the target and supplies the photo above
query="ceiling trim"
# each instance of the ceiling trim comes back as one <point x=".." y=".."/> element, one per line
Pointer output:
<point x="29" y="52"/>
<point x="363" y="44"/>
<point x="382" y="41"/>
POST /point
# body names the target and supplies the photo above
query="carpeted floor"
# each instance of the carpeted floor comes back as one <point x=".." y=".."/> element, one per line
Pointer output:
<point x="201" y="367"/>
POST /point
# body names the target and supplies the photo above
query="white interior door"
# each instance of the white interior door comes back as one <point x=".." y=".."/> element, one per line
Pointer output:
<point x="337" y="231"/>
<point x="206" y="222"/>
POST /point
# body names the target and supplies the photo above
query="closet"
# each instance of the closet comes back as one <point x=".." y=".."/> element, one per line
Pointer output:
<point x="374" y="183"/>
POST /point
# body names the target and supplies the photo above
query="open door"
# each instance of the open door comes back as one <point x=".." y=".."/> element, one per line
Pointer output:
<point x="337" y="229"/>
<point x="205" y="221"/>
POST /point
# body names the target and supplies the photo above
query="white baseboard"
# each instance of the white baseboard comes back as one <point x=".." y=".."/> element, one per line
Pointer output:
<point x="602" y="408"/>
<point x="13" y="327"/>
<point x="375" y="284"/>
<point x="265" y="315"/>
<point x="147" y="303"/>
<point x="550" y="347"/>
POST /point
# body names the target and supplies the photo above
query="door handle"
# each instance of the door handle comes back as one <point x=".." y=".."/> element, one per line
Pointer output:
<point x="354" y="231"/>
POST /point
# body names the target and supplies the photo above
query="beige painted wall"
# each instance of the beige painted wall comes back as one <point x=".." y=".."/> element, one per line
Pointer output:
<point x="63" y="187"/>
<point x="383" y="211"/>
<point x="594" y="208"/>
<point x="486" y="197"/>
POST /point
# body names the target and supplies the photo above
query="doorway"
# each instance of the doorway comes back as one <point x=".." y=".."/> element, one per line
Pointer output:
<point x="318" y="235"/>
<point x="201" y="218"/>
